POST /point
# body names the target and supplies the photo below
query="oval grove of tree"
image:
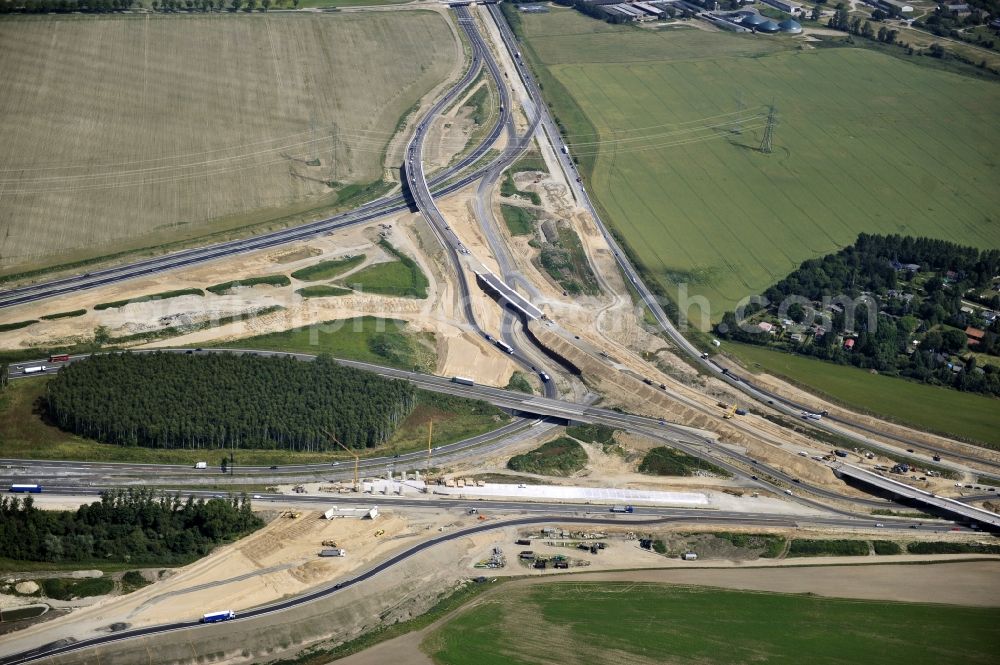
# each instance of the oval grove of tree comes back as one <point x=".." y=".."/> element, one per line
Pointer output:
<point x="222" y="400"/>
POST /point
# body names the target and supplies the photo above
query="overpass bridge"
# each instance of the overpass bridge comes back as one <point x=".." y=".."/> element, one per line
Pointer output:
<point x="507" y="295"/>
<point x="938" y="504"/>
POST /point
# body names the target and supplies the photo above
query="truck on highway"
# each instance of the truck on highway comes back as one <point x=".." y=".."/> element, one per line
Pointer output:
<point x="544" y="377"/>
<point x="622" y="509"/>
<point x="60" y="358"/>
<point x="565" y="149"/>
<point x="215" y="617"/>
<point x="504" y="346"/>
<point x="201" y="465"/>
<point x="461" y="380"/>
<point x="29" y="489"/>
<point x="35" y="369"/>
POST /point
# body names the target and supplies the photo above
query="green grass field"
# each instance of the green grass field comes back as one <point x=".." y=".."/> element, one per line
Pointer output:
<point x="368" y="339"/>
<point x="950" y="412"/>
<point x="863" y="143"/>
<point x="646" y="624"/>
<point x="402" y="277"/>
<point x="328" y="269"/>
<point x="520" y="221"/>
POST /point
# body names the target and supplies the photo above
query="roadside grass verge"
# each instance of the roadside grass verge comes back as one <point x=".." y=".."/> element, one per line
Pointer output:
<point x="530" y="161"/>
<point x="800" y="547"/>
<point x="592" y="433"/>
<point x="663" y="461"/>
<point x="944" y="547"/>
<point x="328" y="269"/>
<point x="974" y="418"/>
<point x="401" y="278"/>
<point x="886" y="547"/>
<point x="269" y="280"/>
<point x="322" y="291"/>
<point x="65" y="588"/>
<point x="520" y="221"/>
<point x="567" y="264"/>
<point x="771" y="545"/>
<point x="163" y="295"/>
<point x="133" y="580"/>
<point x="17" y="325"/>
<point x="509" y="189"/>
<point x="519" y="382"/>
<point x="63" y="315"/>
<point x="559" y="457"/>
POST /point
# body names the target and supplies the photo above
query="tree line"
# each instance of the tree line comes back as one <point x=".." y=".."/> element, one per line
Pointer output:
<point x="131" y="525"/>
<point x="925" y="305"/>
<point x="109" y="6"/>
<point x="224" y="400"/>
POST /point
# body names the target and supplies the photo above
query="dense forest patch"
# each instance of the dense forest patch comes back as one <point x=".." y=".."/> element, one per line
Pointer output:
<point x="132" y="525"/>
<point x="221" y="400"/>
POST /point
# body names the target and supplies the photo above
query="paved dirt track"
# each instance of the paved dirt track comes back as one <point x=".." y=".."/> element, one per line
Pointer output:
<point x="975" y="583"/>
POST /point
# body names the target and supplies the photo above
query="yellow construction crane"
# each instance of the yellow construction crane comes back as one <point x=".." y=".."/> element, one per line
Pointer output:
<point x="430" y="431"/>
<point x="357" y="459"/>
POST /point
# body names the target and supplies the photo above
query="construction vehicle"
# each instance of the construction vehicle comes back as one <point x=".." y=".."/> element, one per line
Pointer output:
<point x="329" y="543"/>
<point x="730" y="413"/>
<point x="380" y="532"/>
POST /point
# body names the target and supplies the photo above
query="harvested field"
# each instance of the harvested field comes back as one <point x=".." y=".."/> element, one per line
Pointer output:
<point x="127" y="132"/>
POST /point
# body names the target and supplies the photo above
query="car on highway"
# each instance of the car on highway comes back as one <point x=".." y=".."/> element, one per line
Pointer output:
<point x="257" y="496"/>
<point x="879" y="525"/>
<point x="273" y="467"/>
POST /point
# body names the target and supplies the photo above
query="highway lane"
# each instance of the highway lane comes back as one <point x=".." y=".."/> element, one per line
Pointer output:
<point x="550" y="132"/>
<point x="726" y="519"/>
<point x="425" y="198"/>
<point x="689" y="440"/>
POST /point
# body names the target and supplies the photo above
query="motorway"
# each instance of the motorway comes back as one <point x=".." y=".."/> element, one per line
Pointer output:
<point x="425" y="199"/>
<point x="548" y="131"/>
<point x="686" y="439"/>
<point x="693" y="442"/>
<point x="666" y="516"/>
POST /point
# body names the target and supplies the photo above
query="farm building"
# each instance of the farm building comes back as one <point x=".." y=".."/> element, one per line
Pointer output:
<point x="975" y="336"/>
<point x="896" y="6"/>
<point x="785" y="6"/>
